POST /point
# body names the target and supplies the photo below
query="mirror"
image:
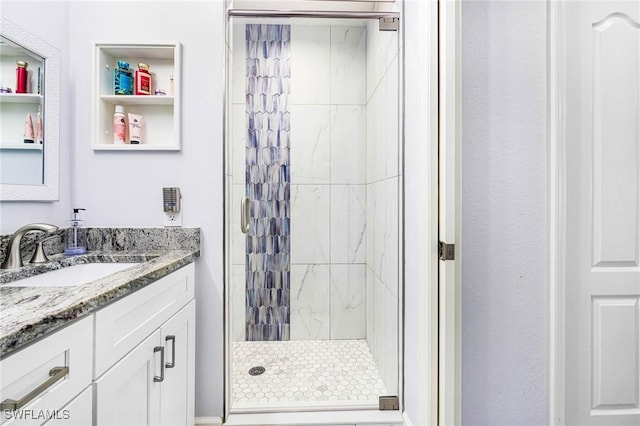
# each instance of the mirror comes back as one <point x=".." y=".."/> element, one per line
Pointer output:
<point x="28" y="161"/>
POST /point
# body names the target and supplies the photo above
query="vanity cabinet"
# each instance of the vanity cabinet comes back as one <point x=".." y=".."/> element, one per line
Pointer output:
<point x="152" y="384"/>
<point x="161" y="113"/>
<point x="145" y="355"/>
<point x="129" y="363"/>
<point x="56" y="393"/>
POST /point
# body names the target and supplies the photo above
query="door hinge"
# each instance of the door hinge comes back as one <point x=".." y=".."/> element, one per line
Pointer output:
<point x="446" y="251"/>
<point x="388" y="24"/>
<point x="388" y="403"/>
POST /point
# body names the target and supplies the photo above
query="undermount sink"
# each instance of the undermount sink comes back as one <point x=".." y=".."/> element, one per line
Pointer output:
<point x="71" y="276"/>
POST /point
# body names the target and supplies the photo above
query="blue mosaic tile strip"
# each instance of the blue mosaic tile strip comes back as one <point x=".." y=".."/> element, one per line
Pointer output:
<point x="267" y="177"/>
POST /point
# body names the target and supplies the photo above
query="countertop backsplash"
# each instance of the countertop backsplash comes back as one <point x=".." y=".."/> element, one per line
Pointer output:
<point x="110" y="240"/>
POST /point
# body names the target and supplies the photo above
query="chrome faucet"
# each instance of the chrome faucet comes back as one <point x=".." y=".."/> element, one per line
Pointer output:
<point x="14" y="257"/>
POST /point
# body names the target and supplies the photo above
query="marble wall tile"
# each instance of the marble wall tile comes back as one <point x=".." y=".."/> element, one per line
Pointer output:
<point x="310" y="66"/>
<point x="390" y="121"/>
<point x="379" y="320"/>
<point x="348" y="298"/>
<point x="310" y="308"/>
<point x="390" y="270"/>
<point x="379" y="142"/>
<point x="238" y="302"/>
<point x="370" y="229"/>
<point x="386" y="49"/>
<point x="348" y="215"/>
<point x="372" y="30"/>
<point x="379" y="223"/>
<point x="390" y="375"/>
<point x="238" y="239"/>
<point x="348" y="144"/>
<point x="348" y="65"/>
<point x="310" y="223"/>
<point x="369" y="308"/>
<point x="370" y="146"/>
<point x="311" y="146"/>
<point x="238" y="129"/>
<point x="238" y="65"/>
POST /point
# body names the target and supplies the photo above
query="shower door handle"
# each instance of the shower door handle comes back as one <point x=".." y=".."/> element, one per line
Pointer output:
<point x="244" y="215"/>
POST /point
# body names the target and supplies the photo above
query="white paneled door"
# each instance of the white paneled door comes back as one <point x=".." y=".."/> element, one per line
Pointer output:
<point x="602" y="250"/>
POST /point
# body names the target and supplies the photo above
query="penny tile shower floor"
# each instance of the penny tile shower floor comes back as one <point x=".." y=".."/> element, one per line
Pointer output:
<point x="306" y="372"/>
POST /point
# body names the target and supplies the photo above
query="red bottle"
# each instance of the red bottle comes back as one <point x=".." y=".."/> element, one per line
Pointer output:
<point x="21" y="77"/>
<point x="143" y="80"/>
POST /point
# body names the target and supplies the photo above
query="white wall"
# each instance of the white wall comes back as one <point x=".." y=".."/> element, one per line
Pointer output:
<point x="504" y="229"/>
<point x="48" y="21"/>
<point x="125" y="188"/>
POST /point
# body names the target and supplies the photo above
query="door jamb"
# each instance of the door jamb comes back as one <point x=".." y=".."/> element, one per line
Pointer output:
<point x="449" y="218"/>
<point x="556" y="213"/>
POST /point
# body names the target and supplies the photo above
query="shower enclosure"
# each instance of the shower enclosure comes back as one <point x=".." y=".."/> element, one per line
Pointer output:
<point x="313" y="213"/>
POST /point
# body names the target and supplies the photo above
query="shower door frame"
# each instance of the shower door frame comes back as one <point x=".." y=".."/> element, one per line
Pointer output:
<point x="227" y="373"/>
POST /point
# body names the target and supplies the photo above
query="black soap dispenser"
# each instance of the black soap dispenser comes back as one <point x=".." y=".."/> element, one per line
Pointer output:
<point x="75" y="236"/>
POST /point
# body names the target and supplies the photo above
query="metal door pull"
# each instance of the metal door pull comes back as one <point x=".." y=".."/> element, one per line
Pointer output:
<point x="244" y="215"/>
<point x="56" y="373"/>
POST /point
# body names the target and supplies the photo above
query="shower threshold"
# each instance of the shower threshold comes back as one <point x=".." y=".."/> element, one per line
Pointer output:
<point x="325" y="418"/>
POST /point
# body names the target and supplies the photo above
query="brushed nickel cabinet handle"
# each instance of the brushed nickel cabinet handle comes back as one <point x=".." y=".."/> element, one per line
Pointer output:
<point x="160" y="378"/>
<point x="171" y="339"/>
<point x="56" y="373"/>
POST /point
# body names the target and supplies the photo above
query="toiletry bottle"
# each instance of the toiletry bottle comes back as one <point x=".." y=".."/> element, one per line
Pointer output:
<point x="123" y="79"/>
<point x="143" y="80"/>
<point x="39" y="135"/>
<point x="75" y="236"/>
<point x="28" y="129"/>
<point x="21" y="77"/>
<point x="119" y="126"/>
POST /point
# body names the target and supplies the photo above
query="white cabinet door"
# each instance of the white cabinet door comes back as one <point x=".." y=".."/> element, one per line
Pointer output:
<point x="177" y="391"/>
<point x="602" y="367"/>
<point x="128" y="394"/>
<point x="79" y="412"/>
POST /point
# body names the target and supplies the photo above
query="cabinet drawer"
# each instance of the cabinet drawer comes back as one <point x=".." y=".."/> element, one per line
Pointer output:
<point x="30" y="368"/>
<point x="122" y="325"/>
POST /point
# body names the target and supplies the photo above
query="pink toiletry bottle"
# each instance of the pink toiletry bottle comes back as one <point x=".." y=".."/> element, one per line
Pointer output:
<point x="119" y="126"/>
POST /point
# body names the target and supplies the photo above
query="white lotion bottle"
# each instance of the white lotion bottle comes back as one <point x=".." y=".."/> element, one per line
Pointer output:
<point x="119" y="126"/>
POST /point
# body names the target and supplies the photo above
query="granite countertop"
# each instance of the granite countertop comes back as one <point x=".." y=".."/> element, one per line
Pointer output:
<point x="29" y="313"/>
